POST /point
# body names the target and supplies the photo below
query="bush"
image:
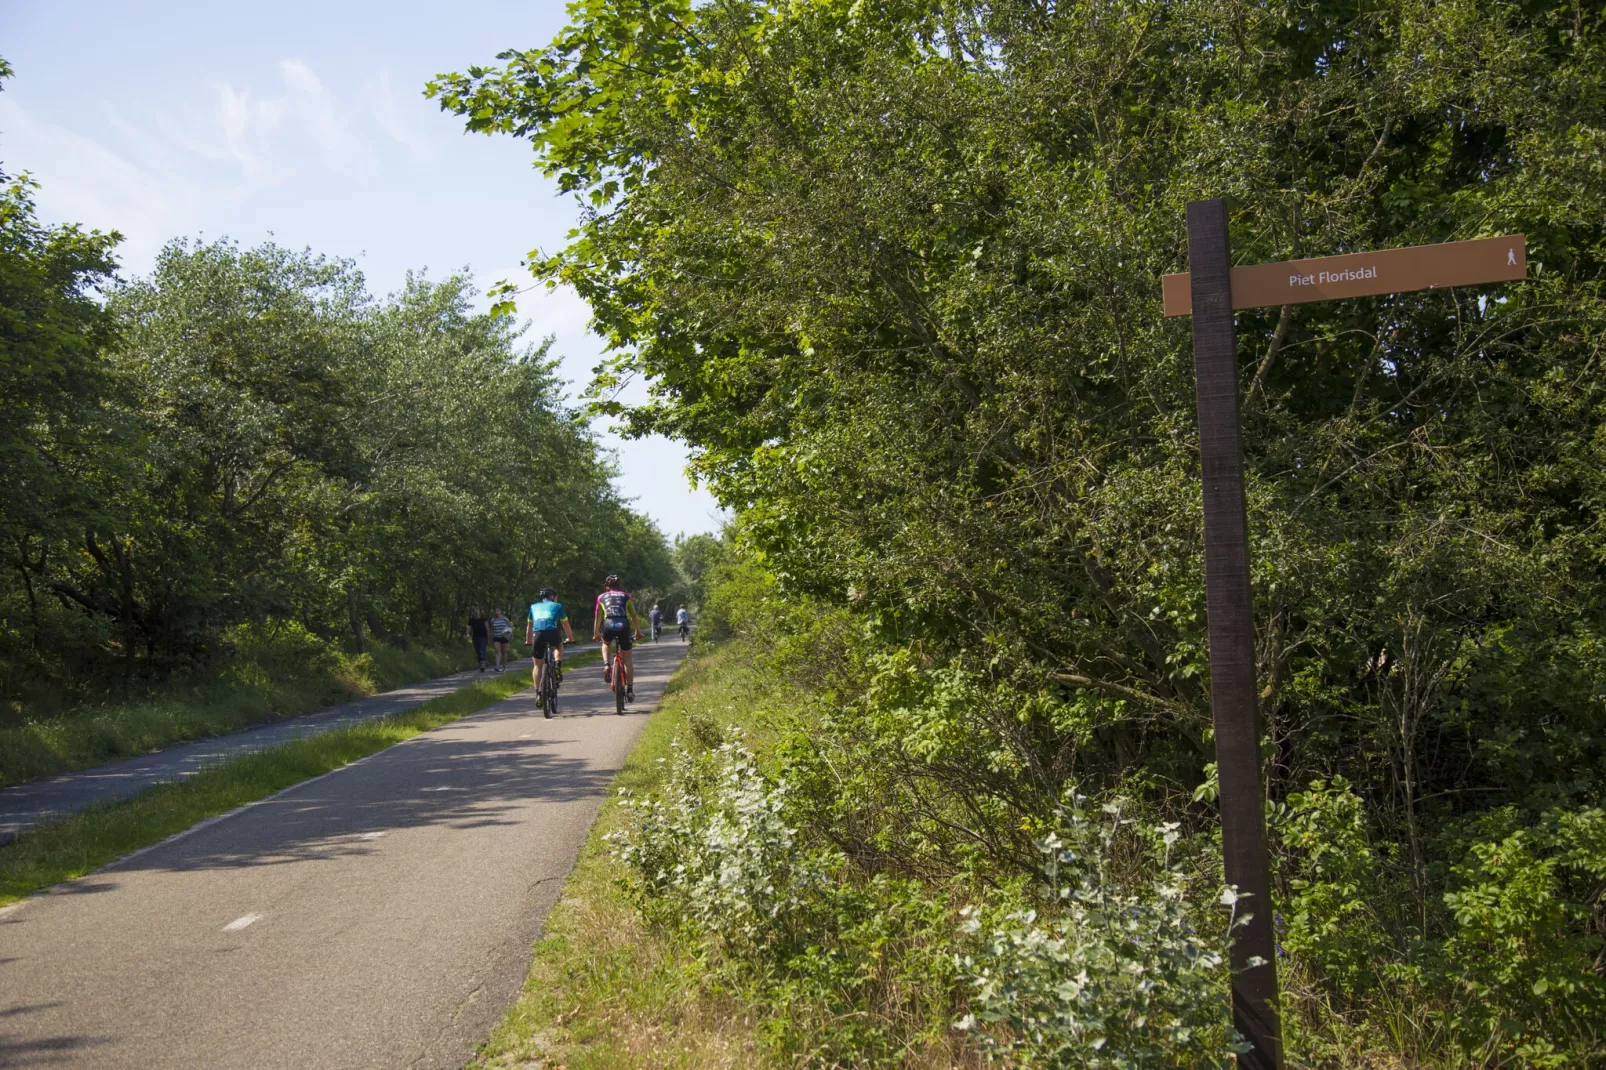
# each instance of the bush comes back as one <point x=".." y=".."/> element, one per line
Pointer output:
<point x="851" y="969"/>
<point x="716" y="847"/>
<point x="1522" y="967"/>
<point x="1107" y="976"/>
<point x="1331" y="915"/>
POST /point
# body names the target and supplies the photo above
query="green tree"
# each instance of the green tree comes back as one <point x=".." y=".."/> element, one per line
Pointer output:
<point x="54" y="387"/>
<point x="695" y="555"/>
<point x="291" y="448"/>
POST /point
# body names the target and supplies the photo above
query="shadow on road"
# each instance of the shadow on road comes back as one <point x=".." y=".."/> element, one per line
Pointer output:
<point x="445" y="777"/>
<point x="449" y="782"/>
<point x="40" y="1051"/>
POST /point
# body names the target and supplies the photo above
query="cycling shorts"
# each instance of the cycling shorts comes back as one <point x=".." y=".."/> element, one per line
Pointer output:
<point x="547" y="637"/>
<point x="618" y="631"/>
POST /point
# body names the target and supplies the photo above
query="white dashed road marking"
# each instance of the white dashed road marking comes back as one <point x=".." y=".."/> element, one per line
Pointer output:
<point x="241" y="922"/>
<point x="371" y="835"/>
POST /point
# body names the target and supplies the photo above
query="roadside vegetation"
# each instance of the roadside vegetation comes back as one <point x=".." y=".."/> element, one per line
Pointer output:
<point x="263" y="677"/>
<point x="893" y="271"/>
<point x="62" y="850"/>
<point x="606" y="989"/>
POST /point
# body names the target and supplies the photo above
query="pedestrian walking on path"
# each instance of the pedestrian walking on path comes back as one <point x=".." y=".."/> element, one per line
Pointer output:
<point x="501" y="635"/>
<point x="479" y="630"/>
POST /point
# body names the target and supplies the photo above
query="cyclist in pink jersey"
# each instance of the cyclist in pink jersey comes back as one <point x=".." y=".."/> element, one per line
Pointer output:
<point x="615" y="622"/>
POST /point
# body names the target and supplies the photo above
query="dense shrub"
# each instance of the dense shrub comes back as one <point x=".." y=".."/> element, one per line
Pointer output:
<point x="1108" y="973"/>
<point x="718" y="847"/>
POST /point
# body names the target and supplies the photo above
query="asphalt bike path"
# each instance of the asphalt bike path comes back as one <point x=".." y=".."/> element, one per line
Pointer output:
<point x="379" y="916"/>
<point x="26" y="805"/>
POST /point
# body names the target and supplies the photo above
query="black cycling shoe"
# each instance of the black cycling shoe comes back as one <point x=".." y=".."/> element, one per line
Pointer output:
<point x="630" y="692"/>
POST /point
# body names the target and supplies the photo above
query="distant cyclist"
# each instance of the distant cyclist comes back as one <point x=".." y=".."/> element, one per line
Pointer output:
<point x="655" y="617"/>
<point x="615" y="623"/>
<point x="546" y="616"/>
<point x="501" y="636"/>
<point x="683" y="621"/>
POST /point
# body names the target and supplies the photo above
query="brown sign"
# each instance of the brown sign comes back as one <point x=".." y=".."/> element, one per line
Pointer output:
<point x="1387" y="271"/>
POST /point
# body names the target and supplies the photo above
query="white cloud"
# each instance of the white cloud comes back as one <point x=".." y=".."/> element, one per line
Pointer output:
<point x="84" y="182"/>
<point x="326" y="122"/>
<point x="391" y="116"/>
<point x="559" y="312"/>
<point x="154" y="169"/>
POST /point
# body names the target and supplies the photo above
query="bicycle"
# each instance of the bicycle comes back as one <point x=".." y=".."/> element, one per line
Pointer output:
<point x="549" y="685"/>
<point x="618" y="680"/>
<point x="685" y="632"/>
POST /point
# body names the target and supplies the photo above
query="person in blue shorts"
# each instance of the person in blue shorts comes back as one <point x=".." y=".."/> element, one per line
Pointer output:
<point x="546" y="617"/>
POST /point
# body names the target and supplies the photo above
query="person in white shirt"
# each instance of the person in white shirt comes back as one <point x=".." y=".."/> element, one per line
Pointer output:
<point x="501" y="635"/>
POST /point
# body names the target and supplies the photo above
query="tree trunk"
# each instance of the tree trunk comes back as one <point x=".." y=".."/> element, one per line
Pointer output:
<point x="130" y="608"/>
<point x="356" y="618"/>
<point x="383" y="633"/>
<point x="27" y="586"/>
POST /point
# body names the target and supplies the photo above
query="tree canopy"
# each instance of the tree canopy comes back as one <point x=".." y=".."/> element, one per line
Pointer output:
<point x="247" y="435"/>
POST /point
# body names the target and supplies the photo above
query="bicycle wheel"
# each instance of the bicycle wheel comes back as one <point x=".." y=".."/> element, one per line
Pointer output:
<point x="618" y="684"/>
<point x="549" y="687"/>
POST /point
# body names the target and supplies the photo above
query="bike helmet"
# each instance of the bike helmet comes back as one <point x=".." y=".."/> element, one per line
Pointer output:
<point x="611" y="581"/>
<point x="549" y="592"/>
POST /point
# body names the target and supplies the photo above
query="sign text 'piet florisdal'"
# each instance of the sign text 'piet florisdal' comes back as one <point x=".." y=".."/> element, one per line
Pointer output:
<point x="1324" y="277"/>
<point x="1386" y="271"/>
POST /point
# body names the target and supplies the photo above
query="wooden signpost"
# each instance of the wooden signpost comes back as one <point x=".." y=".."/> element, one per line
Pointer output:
<point x="1210" y="291"/>
<point x="1387" y="271"/>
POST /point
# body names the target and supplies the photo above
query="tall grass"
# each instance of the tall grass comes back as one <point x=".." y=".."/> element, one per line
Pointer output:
<point x="263" y="677"/>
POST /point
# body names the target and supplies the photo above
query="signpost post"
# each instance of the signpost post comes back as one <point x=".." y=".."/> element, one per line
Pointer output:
<point x="1210" y="291"/>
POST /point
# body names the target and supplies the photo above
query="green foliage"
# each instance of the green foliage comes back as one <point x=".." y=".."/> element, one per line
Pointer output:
<point x="268" y="674"/>
<point x="716" y="844"/>
<point x="891" y="271"/>
<point x="1522" y="961"/>
<point x="54" y="379"/>
<point x="247" y="437"/>
<point x="276" y="447"/>
<point x="850" y="969"/>
<point x="1108" y="976"/>
<point x="1335" y="887"/>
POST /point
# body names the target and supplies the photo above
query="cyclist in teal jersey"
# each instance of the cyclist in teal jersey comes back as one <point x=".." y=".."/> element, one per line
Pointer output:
<point x="546" y="615"/>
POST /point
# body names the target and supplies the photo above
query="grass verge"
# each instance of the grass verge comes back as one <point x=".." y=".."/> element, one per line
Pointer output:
<point x="61" y="850"/>
<point x="266" y="678"/>
<point x="605" y="989"/>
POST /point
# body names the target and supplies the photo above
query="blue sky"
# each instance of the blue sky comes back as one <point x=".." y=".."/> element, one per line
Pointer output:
<point x="303" y="121"/>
